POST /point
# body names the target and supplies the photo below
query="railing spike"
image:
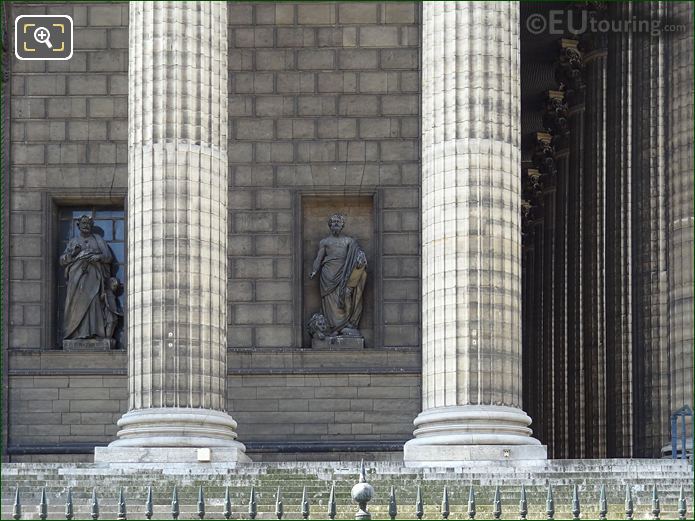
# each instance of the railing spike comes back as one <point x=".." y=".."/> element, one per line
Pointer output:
<point x="305" y="504"/>
<point x="279" y="507"/>
<point x="656" y="504"/>
<point x="149" y="506"/>
<point x="227" y="503"/>
<point x="363" y="473"/>
<point x="523" y="504"/>
<point x="682" y="505"/>
<point x="576" y="507"/>
<point x="94" y="510"/>
<point x="550" y="503"/>
<point x="17" y="507"/>
<point x="419" y="505"/>
<point x="121" y="505"/>
<point x="68" y="505"/>
<point x="445" y="503"/>
<point x="393" y="506"/>
<point x="201" y="503"/>
<point x="497" y="504"/>
<point x="471" y="503"/>
<point x="43" y="505"/>
<point x="175" y="504"/>
<point x="602" y="503"/>
<point x="331" y="503"/>
<point x="253" y="508"/>
<point x="629" y="507"/>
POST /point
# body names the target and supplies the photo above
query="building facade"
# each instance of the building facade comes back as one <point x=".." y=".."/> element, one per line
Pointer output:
<point x="523" y="198"/>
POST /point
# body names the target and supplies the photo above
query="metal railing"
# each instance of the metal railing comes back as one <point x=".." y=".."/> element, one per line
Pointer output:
<point x="362" y="493"/>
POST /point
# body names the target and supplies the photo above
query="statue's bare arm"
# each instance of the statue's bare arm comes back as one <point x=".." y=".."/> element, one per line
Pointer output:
<point x="319" y="258"/>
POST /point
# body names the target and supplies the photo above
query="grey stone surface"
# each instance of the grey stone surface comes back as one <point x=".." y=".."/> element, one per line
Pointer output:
<point x="337" y="342"/>
<point x="287" y="138"/>
<point x="89" y="344"/>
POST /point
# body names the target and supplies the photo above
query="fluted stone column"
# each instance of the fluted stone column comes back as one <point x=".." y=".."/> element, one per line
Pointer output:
<point x="177" y="236"/>
<point x="471" y="238"/>
<point x="681" y="223"/>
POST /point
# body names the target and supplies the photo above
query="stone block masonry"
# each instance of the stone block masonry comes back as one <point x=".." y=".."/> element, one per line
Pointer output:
<point x="68" y="138"/>
<point x="323" y="98"/>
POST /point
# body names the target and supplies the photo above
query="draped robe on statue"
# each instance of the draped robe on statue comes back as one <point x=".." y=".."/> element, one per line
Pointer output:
<point x="84" y="308"/>
<point x="342" y="283"/>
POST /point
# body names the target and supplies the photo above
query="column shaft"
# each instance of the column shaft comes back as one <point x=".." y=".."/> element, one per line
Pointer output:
<point x="177" y="227"/>
<point x="681" y="222"/>
<point x="619" y="290"/>
<point x="471" y="239"/>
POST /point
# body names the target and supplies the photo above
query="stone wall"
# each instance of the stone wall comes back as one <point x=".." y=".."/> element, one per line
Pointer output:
<point x="68" y="145"/>
<point x="324" y="99"/>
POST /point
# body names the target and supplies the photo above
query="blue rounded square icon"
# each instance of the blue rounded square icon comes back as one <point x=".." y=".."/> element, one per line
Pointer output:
<point x="43" y="37"/>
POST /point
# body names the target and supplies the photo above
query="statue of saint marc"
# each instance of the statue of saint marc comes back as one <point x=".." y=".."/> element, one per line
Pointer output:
<point x="342" y="265"/>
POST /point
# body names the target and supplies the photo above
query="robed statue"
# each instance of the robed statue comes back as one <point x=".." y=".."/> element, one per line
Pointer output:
<point x="342" y="268"/>
<point x="90" y="303"/>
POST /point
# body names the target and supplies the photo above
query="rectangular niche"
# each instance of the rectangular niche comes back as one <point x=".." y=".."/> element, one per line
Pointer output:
<point x="360" y="224"/>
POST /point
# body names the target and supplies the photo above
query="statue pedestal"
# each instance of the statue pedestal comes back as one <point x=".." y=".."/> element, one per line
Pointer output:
<point x="89" y="344"/>
<point x="338" y="342"/>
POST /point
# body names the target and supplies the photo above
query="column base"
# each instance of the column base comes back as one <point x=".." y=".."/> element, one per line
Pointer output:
<point x="449" y="436"/>
<point x="174" y="434"/>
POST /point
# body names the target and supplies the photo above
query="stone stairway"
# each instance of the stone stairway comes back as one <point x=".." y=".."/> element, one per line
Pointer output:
<point x="317" y="477"/>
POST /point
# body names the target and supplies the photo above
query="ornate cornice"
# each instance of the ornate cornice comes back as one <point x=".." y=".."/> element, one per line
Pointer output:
<point x="569" y="71"/>
<point x="555" y="116"/>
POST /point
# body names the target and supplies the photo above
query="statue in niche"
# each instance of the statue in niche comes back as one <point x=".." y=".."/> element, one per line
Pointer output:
<point x="91" y="309"/>
<point x="342" y="268"/>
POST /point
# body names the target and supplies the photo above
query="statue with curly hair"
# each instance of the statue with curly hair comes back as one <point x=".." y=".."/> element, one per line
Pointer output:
<point x="342" y="268"/>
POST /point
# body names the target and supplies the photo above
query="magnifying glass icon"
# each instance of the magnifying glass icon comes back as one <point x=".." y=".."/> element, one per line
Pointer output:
<point x="43" y="35"/>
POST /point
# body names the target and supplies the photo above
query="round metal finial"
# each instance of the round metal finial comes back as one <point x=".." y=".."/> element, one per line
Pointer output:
<point x="362" y="493"/>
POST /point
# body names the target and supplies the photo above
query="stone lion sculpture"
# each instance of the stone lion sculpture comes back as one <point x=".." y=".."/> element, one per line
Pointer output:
<point x="317" y="326"/>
